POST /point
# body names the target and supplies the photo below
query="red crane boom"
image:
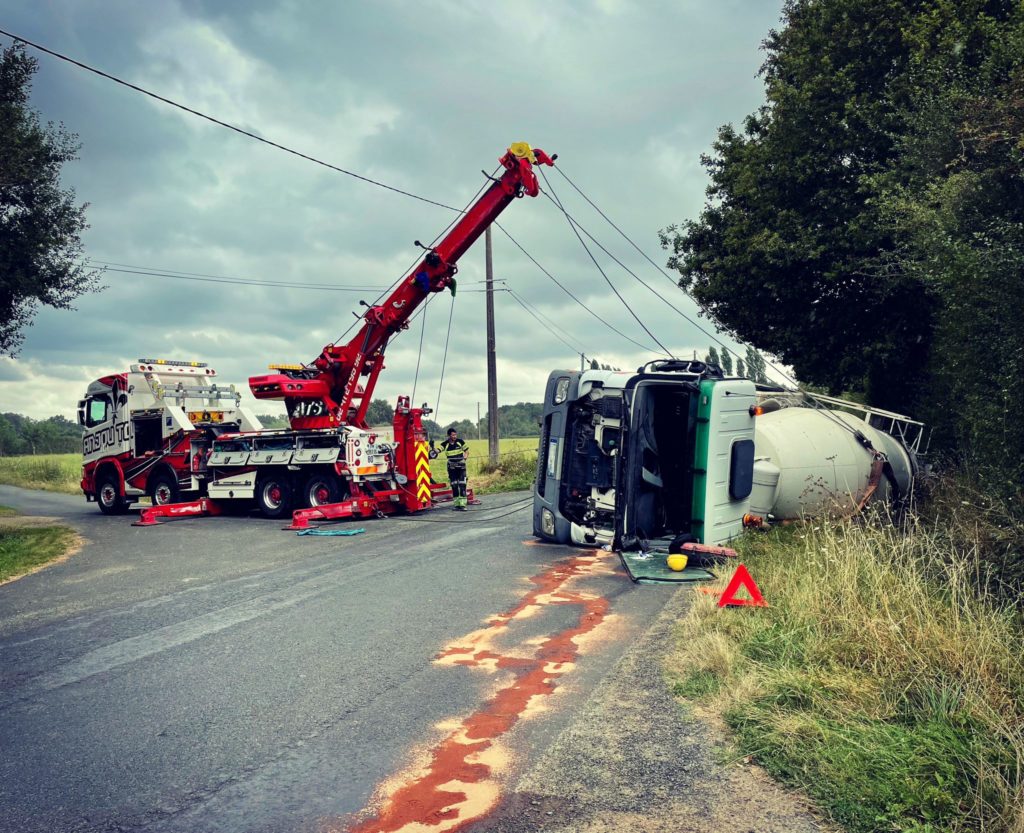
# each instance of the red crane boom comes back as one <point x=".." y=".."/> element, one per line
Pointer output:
<point x="328" y="392"/>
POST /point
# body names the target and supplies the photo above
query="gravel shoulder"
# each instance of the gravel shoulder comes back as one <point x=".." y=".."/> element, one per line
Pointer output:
<point x="633" y="759"/>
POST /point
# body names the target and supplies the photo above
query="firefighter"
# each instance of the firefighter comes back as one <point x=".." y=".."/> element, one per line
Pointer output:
<point x="455" y="451"/>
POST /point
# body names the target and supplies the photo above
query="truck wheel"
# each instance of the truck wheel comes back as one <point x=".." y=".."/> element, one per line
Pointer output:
<point x="163" y="489"/>
<point x="109" y="497"/>
<point x="321" y="489"/>
<point x="274" y="496"/>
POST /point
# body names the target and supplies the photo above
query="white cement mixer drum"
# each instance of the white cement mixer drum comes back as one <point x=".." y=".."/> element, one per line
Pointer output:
<point x="809" y="460"/>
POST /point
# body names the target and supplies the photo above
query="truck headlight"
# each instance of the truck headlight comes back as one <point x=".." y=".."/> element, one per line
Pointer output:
<point x="547" y="522"/>
<point x="561" y="390"/>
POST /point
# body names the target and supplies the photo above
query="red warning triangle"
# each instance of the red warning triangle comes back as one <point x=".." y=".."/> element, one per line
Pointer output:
<point x="742" y="578"/>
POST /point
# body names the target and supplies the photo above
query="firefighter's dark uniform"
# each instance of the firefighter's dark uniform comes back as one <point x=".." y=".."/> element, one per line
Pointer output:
<point x="454" y="453"/>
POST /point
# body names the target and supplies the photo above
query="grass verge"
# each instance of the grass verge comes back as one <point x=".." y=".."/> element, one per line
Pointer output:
<point x="881" y="680"/>
<point x="24" y="549"/>
<point x="52" y="472"/>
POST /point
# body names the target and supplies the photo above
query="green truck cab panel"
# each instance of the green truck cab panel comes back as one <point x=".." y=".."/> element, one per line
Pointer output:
<point x="724" y="421"/>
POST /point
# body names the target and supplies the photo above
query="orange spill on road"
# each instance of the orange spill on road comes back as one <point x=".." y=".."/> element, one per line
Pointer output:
<point x="459" y="783"/>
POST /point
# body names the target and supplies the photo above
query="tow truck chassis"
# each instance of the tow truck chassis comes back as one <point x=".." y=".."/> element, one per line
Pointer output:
<point x="376" y="505"/>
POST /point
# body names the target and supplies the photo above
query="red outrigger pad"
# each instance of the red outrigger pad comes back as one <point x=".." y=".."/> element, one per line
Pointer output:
<point x="742" y="578"/>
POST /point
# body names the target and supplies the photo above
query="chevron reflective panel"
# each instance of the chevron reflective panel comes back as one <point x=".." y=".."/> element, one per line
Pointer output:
<point x="422" y="473"/>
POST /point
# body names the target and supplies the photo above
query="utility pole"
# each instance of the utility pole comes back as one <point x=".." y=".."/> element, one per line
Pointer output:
<point x="492" y="360"/>
<point x="478" y="420"/>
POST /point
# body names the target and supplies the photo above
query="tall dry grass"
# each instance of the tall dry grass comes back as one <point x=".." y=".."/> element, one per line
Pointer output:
<point x="885" y="678"/>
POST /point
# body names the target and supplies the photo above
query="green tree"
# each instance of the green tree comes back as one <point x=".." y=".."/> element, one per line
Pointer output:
<point x="756" y="365"/>
<point x="380" y="412"/>
<point x="273" y="420"/>
<point x="726" y="361"/>
<point x="741" y="371"/>
<point x="779" y="256"/>
<point x="955" y="201"/>
<point x="711" y="357"/>
<point x="40" y="224"/>
<point x="10" y="442"/>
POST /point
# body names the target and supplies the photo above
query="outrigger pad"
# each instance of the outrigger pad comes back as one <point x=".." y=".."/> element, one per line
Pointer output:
<point x="650" y="568"/>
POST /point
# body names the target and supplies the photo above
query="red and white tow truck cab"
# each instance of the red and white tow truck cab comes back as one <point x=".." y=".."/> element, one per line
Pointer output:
<point x="147" y="432"/>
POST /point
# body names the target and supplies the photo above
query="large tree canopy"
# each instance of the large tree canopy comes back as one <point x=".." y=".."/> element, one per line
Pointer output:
<point x="867" y="223"/>
<point x="40" y="224"/>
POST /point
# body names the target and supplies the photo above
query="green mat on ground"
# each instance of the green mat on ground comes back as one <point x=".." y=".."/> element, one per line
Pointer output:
<point x="651" y="568"/>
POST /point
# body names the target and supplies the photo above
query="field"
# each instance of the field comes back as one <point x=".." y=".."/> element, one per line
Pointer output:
<point x="515" y="470"/>
<point x="61" y="472"/>
<point x="52" y="472"/>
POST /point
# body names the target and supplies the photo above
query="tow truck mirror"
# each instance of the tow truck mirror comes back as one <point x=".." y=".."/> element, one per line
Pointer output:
<point x="81" y="412"/>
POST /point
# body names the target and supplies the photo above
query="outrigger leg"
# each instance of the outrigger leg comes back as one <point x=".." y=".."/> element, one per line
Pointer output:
<point x="150" y="515"/>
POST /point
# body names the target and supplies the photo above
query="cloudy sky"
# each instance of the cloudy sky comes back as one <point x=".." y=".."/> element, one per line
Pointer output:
<point x="419" y="95"/>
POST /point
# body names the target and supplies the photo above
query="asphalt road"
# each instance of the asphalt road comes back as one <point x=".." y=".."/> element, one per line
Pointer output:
<point x="223" y="675"/>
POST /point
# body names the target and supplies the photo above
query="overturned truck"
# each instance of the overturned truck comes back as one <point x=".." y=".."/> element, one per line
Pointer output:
<point x="636" y="460"/>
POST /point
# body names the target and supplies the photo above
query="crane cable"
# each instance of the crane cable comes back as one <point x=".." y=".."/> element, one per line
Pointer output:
<point x="668" y="277"/>
<point x="550" y="193"/>
<point x="419" y="355"/>
<point x="444" y="361"/>
<point x="561" y="286"/>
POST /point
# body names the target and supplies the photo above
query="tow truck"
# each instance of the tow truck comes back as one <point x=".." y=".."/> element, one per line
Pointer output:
<point x="165" y="431"/>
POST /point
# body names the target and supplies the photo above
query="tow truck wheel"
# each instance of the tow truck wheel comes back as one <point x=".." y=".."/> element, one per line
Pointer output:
<point x="109" y="497"/>
<point x="163" y="489"/>
<point x="321" y="489"/>
<point x="274" y="496"/>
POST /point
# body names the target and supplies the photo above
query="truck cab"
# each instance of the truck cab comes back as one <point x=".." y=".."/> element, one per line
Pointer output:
<point x="148" y="431"/>
<point x="634" y="460"/>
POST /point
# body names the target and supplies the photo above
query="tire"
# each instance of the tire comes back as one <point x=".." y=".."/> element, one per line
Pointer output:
<point x="320" y="488"/>
<point x="163" y="489"/>
<point x="274" y="496"/>
<point x="108" y="495"/>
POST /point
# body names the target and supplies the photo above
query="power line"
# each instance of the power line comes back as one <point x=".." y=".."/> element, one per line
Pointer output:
<point x="561" y="286"/>
<point x="252" y="282"/>
<point x="109" y="264"/>
<point x="242" y="282"/>
<point x="668" y="277"/>
<point x="553" y="332"/>
<point x="444" y="231"/>
<point x="220" y="123"/>
<point x="551" y="195"/>
<point x="547" y="320"/>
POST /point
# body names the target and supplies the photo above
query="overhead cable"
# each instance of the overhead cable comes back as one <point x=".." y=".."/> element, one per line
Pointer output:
<point x="668" y="277"/>
<point x="249" y="134"/>
<point x="220" y="123"/>
<point x="561" y="286"/>
<point x="237" y="281"/>
<point x="551" y="195"/>
<point x="550" y="329"/>
<point x="486" y="184"/>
